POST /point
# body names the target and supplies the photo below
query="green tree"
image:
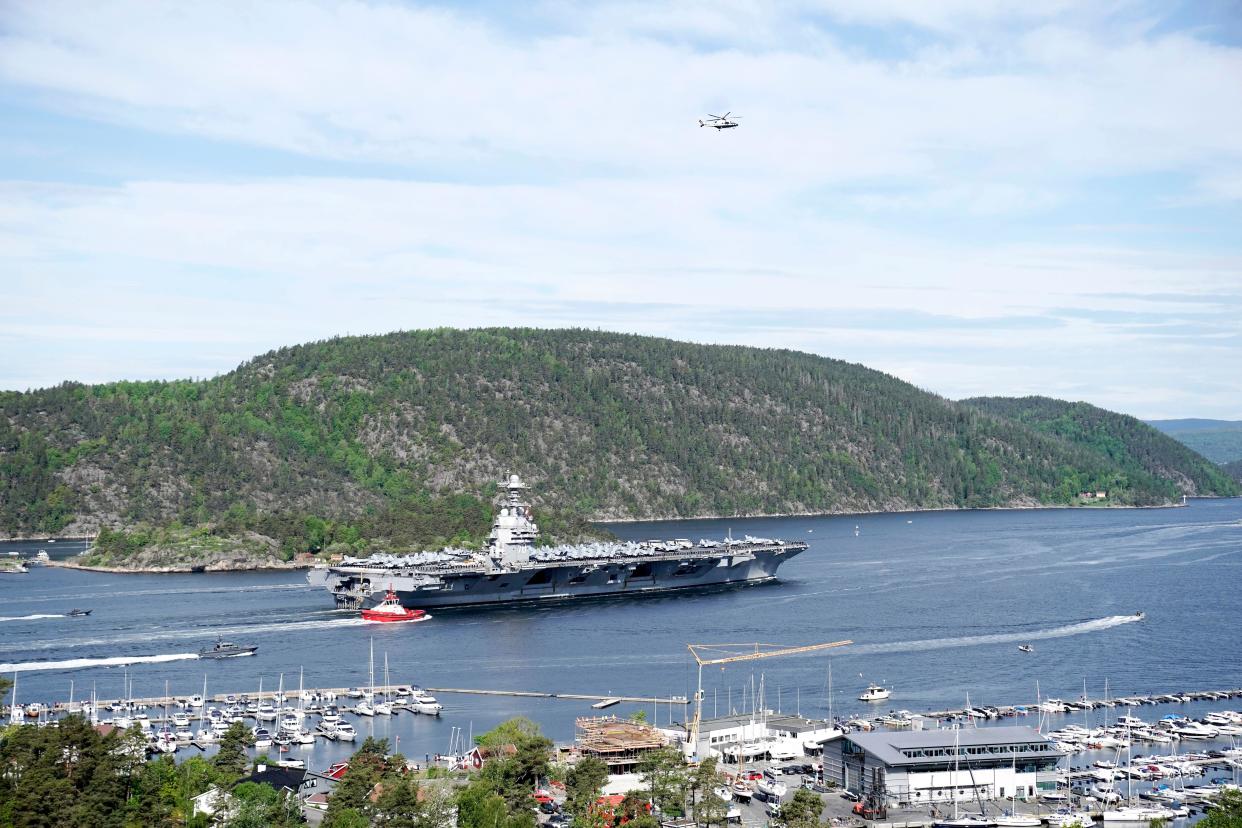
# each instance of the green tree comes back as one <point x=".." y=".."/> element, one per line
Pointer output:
<point x="803" y="810"/>
<point x="583" y="784"/>
<point x="1227" y="813"/>
<point x="230" y="759"/>
<point x="708" y="808"/>
<point x="347" y="818"/>
<point x="398" y="805"/>
<point x="262" y="806"/>
<point x="666" y="779"/>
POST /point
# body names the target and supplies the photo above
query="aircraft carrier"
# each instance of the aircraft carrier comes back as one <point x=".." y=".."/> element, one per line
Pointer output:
<point x="512" y="567"/>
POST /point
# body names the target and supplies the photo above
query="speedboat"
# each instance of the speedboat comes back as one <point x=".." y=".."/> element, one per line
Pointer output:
<point x="77" y="613"/>
<point x="226" y="649"/>
<point x="390" y="609"/>
<point x="1026" y="648"/>
<point x="875" y="692"/>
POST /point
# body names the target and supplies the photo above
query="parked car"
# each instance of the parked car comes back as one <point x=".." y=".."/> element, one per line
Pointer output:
<point x="851" y="796"/>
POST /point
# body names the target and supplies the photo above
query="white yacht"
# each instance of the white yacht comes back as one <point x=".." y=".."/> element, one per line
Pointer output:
<point x="424" y="702"/>
<point x="1195" y="730"/>
<point x="875" y="692"/>
<point x="1136" y="814"/>
<point x="1017" y="821"/>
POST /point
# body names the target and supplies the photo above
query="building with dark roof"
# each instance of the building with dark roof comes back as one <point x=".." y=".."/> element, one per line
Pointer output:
<point x="280" y="778"/>
<point x="924" y="766"/>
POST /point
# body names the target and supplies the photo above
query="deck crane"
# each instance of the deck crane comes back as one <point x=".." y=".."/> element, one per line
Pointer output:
<point x="731" y="656"/>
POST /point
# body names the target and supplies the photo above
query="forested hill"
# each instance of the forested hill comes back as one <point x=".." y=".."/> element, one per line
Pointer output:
<point x="1218" y="440"/>
<point x="397" y="439"/>
<point x="1147" y="456"/>
<point x="1234" y="470"/>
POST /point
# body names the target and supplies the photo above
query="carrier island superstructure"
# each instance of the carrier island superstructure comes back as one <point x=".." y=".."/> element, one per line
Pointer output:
<point x="512" y="567"/>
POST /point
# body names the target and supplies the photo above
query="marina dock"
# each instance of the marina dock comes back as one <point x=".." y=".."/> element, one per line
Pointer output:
<point x="601" y="700"/>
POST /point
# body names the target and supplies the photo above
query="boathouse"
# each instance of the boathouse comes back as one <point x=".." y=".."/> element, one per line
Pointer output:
<point x="911" y="768"/>
<point x="777" y="736"/>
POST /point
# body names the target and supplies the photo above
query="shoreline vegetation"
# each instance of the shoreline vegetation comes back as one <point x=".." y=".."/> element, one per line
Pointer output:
<point x="235" y="564"/>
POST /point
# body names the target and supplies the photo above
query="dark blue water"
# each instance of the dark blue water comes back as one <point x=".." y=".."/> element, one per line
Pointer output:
<point x="937" y="603"/>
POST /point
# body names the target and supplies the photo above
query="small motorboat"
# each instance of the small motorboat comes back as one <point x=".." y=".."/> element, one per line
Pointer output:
<point x="77" y="613"/>
<point x="1140" y="615"/>
<point x="390" y="609"/>
<point x="875" y="692"/>
<point x="1026" y="648"/>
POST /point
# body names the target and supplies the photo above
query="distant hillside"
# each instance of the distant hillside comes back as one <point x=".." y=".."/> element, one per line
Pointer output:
<point x="1140" y="450"/>
<point x="1234" y="470"/>
<point x="1218" y="440"/>
<point x="397" y="439"/>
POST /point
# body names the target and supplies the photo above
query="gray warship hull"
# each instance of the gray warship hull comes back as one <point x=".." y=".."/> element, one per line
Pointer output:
<point x="359" y="586"/>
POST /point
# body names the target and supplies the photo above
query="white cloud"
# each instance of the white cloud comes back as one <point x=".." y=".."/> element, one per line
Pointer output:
<point x="555" y="158"/>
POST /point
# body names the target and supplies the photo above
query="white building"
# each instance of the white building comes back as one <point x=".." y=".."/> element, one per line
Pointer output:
<point x="774" y="736"/>
<point x="918" y="767"/>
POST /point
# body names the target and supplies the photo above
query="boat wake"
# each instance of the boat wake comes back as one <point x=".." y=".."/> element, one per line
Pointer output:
<point x="33" y="617"/>
<point x="1077" y="628"/>
<point x="206" y="631"/>
<point x="79" y="663"/>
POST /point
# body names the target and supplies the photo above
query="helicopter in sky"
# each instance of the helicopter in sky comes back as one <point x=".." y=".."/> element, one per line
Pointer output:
<point x="719" y="122"/>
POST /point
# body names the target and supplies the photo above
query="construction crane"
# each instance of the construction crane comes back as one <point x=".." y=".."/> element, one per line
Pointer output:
<point x="757" y="651"/>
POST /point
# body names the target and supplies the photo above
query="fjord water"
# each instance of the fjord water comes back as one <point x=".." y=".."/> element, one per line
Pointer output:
<point x="936" y="602"/>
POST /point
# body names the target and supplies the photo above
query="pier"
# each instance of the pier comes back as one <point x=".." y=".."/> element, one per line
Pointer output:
<point x="602" y="700"/>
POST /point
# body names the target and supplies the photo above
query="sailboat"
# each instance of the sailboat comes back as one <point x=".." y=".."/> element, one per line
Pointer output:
<point x="302" y="736"/>
<point x="1128" y="811"/>
<point x="832" y="731"/>
<point x="364" y="708"/>
<point x="205" y="735"/>
<point x="1013" y="819"/>
<point x="382" y="708"/>
<point x="961" y="820"/>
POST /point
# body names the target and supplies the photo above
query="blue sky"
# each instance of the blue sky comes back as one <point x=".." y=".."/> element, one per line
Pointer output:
<point x="976" y="196"/>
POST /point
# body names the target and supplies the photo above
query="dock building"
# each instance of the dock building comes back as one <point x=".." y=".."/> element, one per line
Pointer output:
<point x="910" y="768"/>
<point x="772" y="735"/>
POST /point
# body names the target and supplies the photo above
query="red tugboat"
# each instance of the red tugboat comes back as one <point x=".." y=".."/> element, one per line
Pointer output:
<point x="390" y="609"/>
